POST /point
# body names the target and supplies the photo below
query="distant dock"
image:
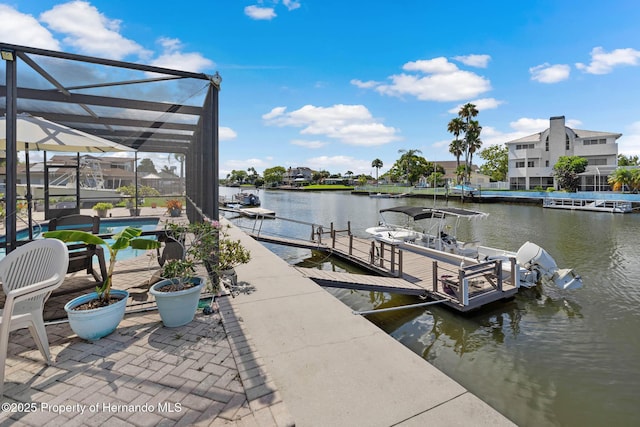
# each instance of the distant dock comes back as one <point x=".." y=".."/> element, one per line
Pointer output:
<point x="613" y="206"/>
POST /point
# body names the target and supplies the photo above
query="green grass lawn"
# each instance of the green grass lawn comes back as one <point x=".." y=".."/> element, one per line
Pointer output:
<point x="327" y="187"/>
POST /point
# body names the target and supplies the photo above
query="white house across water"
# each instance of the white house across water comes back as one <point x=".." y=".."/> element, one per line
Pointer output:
<point x="531" y="158"/>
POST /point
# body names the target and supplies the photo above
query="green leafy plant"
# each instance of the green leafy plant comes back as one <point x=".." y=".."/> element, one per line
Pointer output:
<point x="208" y="242"/>
<point x="231" y="253"/>
<point x="102" y="206"/>
<point x="129" y="237"/>
<point x="181" y="269"/>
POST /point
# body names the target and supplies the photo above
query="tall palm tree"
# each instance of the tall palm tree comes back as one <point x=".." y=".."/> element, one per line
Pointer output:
<point x="456" y="126"/>
<point x="474" y="142"/>
<point x="376" y="163"/>
<point x="467" y="112"/>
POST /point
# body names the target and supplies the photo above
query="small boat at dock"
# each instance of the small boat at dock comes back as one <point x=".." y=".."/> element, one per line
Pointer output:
<point x="438" y="238"/>
<point x="242" y="199"/>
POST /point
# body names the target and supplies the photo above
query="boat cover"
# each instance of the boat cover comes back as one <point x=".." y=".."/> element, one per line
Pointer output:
<point x="417" y="212"/>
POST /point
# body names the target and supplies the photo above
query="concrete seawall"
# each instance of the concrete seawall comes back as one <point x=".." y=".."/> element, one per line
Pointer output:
<point x="333" y="368"/>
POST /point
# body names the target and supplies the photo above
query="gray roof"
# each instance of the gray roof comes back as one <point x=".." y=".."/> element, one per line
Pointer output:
<point x="580" y="133"/>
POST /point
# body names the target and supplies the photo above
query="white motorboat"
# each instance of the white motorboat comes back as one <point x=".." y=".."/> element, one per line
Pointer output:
<point x="438" y="238"/>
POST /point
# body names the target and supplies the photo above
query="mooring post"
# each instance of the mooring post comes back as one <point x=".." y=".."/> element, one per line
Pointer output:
<point x="393" y="258"/>
<point x="499" y="274"/>
<point x="349" y="227"/>
<point x="434" y="263"/>
<point x="350" y="245"/>
<point x="381" y="254"/>
<point x="460" y="286"/>
<point x="372" y="253"/>
<point x="400" y="263"/>
<point x="320" y="234"/>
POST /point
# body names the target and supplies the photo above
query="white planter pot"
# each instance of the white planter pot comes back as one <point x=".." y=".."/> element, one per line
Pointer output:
<point x="99" y="322"/>
<point x="177" y="308"/>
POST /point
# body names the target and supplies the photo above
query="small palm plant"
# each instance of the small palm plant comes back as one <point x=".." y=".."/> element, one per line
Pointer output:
<point x="129" y="237"/>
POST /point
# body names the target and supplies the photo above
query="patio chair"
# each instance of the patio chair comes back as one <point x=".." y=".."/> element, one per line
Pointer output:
<point x="80" y="254"/>
<point x="28" y="275"/>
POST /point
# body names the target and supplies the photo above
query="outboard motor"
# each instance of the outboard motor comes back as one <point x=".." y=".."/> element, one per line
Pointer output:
<point x="534" y="258"/>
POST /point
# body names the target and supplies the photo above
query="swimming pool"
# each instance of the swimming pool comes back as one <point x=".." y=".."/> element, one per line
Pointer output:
<point x="107" y="226"/>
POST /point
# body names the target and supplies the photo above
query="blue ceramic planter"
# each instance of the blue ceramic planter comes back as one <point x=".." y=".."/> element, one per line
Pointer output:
<point x="177" y="308"/>
<point x="97" y="323"/>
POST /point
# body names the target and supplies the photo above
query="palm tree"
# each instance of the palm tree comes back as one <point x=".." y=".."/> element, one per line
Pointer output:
<point x="620" y="178"/>
<point x="467" y="112"/>
<point x="474" y="142"/>
<point x="376" y="163"/>
<point x="456" y="126"/>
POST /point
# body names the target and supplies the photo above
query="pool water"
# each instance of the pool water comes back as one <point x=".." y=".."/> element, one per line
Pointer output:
<point x="107" y="226"/>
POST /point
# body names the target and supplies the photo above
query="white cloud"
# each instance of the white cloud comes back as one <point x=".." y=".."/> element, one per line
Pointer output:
<point x="444" y="82"/>
<point x="226" y="133"/>
<point x="340" y="164"/>
<point x="350" y="124"/>
<point x="260" y="13"/>
<point x="546" y="73"/>
<point x="629" y="142"/>
<point x="481" y="104"/>
<point x="174" y="59"/>
<point x="309" y="144"/>
<point x="364" y="85"/>
<point x="25" y="30"/>
<point x="291" y="4"/>
<point x="604" y="62"/>
<point x="89" y="31"/>
<point x="258" y="164"/>
<point x="480" y="61"/>
<point x="431" y="66"/>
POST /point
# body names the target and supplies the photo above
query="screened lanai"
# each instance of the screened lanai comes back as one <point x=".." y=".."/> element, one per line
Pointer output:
<point x="146" y="108"/>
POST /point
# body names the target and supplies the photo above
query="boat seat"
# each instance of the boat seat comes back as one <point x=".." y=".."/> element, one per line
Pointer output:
<point x="80" y="254"/>
<point x="468" y="249"/>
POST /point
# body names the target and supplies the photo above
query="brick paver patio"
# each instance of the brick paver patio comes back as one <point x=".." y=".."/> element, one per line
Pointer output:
<point x="205" y="373"/>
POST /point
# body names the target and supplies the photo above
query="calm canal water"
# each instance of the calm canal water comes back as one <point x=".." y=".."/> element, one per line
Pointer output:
<point x="548" y="357"/>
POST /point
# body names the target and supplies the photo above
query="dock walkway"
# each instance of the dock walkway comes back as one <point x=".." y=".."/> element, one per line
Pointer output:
<point x="429" y="274"/>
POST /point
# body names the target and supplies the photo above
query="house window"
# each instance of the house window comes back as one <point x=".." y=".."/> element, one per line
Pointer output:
<point x="531" y="164"/>
<point x="597" y="162"/>
<point x="594" y="141"/>
<point x="525" y="146"/>
<point x="546" y="163"/>
<point x="546" y="144"/>
<point x="567" y="145"/>
<point x="519" y="164"/>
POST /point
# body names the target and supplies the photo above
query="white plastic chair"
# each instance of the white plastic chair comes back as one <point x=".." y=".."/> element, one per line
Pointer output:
<point x="28" y="275"/>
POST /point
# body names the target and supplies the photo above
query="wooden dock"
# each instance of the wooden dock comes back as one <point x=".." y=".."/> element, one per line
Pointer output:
<point x="430" y="275"/>
<point x="362" y="282"/>
<point x="257" y="212"/>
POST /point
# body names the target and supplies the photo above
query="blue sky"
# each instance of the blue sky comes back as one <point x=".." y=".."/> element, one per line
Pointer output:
<point x="335" y="84"/>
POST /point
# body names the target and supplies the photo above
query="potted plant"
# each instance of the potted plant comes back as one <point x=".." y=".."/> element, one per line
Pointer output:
<point x="101" y="208"/>
<point x="174" y="207"/>
<point x="98" y="314"/>
<point x="177" y="296"/>
<point x="230" y="254"/>
<point x="130" y="192"/>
